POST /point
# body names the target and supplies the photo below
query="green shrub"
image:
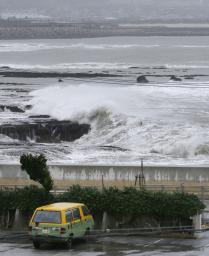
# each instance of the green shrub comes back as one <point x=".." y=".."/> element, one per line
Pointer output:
<point x="161" y="206"/>
<point x="8" y="200"/>
<point x="29" y="198"/>
<point x="90" y="196"/>
<point x="137" y="203"/>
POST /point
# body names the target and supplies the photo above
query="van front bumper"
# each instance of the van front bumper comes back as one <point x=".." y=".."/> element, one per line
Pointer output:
<point x="49" y="239"/>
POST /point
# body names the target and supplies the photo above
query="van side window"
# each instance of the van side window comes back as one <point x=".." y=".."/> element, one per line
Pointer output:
<point x="76" y="214"/>
<point x="68" y="216"/>
<point x="85" y="211"/>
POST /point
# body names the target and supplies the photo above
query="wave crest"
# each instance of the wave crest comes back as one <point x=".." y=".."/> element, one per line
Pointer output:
<point x="127" y="117"/>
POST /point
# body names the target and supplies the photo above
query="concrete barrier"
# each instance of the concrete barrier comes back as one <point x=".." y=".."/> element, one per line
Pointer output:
<point x="158" y="177"/>
<point x="127" y="174"/>
<point x="116" y="173"/>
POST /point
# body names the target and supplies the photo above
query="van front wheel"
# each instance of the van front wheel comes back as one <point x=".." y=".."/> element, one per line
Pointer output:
<point x="68" y="244"/>
<point x="36" y="244"/>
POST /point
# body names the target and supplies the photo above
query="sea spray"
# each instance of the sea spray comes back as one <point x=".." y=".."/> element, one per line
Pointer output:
<point x="143" y="120"/>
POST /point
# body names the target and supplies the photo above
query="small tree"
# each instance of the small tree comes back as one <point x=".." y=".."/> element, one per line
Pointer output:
<point x="36" y="168"/>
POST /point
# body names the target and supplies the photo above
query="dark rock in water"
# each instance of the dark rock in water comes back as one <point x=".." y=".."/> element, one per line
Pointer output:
<point x="114" y="148"/>
<point x="133" y="67"/>
<point x="175" y="78"/>
<point x="11" y="108"/>
<point x="160" y="67"/>
<point x="19" y="90"/>
<point x="60" y="80"/>
<point x="12" y="90"/>
<point x="59" y="75"/>
<point x="5" y="67"/>
<point x="189" y="77"/>
<point x="154" y="151"/>
<point x="28" y="106"/>
<point x="142" y="79"/>
<point x="40" y="116"/>
<point x="51" y="131"/>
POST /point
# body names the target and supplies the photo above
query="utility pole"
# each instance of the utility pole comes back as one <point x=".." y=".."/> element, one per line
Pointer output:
<point x="103" y="182"/>
<point x="140" y="176"/>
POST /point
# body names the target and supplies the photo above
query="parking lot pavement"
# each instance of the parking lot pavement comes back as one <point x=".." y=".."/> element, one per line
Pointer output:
<point x="19" y="244"/>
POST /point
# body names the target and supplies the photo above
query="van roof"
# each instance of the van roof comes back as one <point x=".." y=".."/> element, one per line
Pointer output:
<point x="59" y="206"/>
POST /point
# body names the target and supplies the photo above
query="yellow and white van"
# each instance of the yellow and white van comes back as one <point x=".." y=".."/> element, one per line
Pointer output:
<point x="60" y="222"/>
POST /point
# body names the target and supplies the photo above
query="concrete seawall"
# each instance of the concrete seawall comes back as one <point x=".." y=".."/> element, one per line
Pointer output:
<point x="126" y="175"/>
<point x="97" y="175"/>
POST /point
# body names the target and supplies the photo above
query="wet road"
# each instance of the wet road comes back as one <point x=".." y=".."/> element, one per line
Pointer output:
<point x="117" y="246"/>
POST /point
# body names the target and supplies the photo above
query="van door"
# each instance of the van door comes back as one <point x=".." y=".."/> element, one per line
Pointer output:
<point x="69" y="219"/>
<point x="87" y="217"/>
<point x="77" y="226"/>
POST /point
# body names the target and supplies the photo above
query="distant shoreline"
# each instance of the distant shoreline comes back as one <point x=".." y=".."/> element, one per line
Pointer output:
<point x="14" y="30"/>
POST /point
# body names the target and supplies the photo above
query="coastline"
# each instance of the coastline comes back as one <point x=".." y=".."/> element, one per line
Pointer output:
<point x="13" y="30"/>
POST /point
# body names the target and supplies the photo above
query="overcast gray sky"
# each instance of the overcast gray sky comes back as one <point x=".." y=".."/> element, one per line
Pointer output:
<point x="141" y="9"/>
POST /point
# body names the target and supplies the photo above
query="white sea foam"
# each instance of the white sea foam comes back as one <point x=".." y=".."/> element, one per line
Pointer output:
<point x="99" y="66"/>
<point x="191" y="46"/>
<point x="69" y="66"/>
<point x="145" y="120"/>
<point x="111" y="46"/>
<point x="25" y="47"/>
<point x="20" y="46"/>
<point x="6" y="139"/>
<point x="64" y="102"/>
<point x="186" y="66"/>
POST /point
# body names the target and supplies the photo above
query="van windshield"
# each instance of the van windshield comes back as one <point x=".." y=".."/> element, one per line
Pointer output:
<point x="47" y="217"/>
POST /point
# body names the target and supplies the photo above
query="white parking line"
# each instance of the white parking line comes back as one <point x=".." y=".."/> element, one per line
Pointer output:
<point x="157" y="241"/>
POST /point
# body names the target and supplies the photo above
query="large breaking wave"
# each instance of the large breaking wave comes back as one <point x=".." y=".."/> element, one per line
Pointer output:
<point x="166" y="122"/>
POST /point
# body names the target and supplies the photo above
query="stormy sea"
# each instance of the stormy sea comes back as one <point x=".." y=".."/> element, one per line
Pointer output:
<point x="78" y="101"/>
